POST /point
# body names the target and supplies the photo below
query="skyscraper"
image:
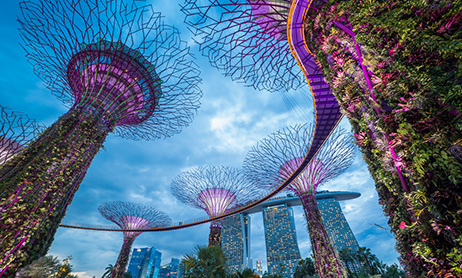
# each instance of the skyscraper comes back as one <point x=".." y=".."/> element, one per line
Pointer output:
<point x="236" y="241"/>
<point x="169" y="270"/>
<point x="145" y="263"/>
<point x="259" y="267"/>
<point x="281" y="240"/>
<point x="337" y="226"/>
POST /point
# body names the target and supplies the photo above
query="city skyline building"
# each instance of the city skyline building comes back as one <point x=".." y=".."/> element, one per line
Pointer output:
<point x="259" y="267"/>
<point x="236" y="242"/>
<point x="328" y="201"/>
<point x="145" y="263"/>
<point x="282" y="250"/>
<point x="337" y="228"/>
<point x="170" y="270"/>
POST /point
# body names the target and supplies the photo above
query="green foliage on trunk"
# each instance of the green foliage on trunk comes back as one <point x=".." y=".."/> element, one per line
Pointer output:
<point x="411" y="51"/>
<point x="37" y="185"/>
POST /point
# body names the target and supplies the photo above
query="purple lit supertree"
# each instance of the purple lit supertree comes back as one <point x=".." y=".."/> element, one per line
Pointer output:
<point x="215" y="189"/>
<point x="247" y="40"/>
<point x="129" y="215"/>
<point x="118" y="68"/>
<point x="16" y="131"/>
<point x="277" y="157"/>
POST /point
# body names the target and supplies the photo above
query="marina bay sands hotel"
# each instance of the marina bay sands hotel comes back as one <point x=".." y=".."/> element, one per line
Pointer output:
<point x="281" y="241"/>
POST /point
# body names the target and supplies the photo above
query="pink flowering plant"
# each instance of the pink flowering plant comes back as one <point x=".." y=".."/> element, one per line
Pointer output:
<point x="395" y="68"/>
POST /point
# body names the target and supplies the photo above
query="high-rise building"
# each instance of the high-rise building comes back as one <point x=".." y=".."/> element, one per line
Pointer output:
<point x="169" y="270"/>
<point x="337" y="226"/>
<point x="282" y="250"/>
<point x="259" y="267"/>
<point x="236" y="242"/>
<point x="145" y="263"/>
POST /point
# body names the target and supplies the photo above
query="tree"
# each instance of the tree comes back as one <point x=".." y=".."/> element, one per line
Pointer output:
<point x="47" y="267"/>
<point x="393" y="271"/>
<point x="246" y="273"/>
<point x="305" y="269"/>
<point x="108" y="271"/>
<point x="205" y="262"/>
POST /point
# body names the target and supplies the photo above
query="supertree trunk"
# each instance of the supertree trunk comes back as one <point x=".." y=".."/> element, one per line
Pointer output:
<point x="122" y="260"/>
<point x="38" y="184"/>
<point x="215" y="238"/>
<point x="402" y="95"/>
<point x="327" y="262"/>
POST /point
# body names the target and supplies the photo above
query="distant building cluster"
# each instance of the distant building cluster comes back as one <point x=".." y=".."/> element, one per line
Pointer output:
<point x="282" y="248"/>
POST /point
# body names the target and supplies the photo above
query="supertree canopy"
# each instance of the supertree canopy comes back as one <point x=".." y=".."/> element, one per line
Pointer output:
<point x="129" y="215"/>
<point x="215" y="189"/>
<point x="247" y="40"/>
<point x="277" y="157"/>
<point x="16" y="131"/>
<point x="261" y="43"/>
<point x="118" y="68"/>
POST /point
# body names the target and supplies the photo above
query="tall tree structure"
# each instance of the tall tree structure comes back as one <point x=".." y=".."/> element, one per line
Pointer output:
<point x="398" y="79"/>
<point x="215" y="189"/>
<point x="277" y="157"/>
<point x="394" y="68"/>
<point x="118" y="68"/>
<point x="129" y="215"/>
<point x="16" y="131"/>
<point x="246" y="40"/>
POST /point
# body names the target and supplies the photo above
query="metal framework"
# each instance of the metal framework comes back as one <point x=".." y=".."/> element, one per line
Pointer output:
<point x="247" y="41"/>
<point x="16" y="131"/>
<point x="118" y="68"/>
<point x="274" y="159"/>
<point x="215" y="189"/>
<point x="129" y="215"/>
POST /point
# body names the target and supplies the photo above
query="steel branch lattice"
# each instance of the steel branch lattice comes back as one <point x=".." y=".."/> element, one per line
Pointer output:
<point x="16" y="131"/>
<point x="119" y="68"/>
<point x="230" y="60"/>
<point x="246" y="40"/>
<point x="132" y="216"/>
<point x="215" y="189"/>
<point x="278" y="156"/>
<point x="274" y="159"/>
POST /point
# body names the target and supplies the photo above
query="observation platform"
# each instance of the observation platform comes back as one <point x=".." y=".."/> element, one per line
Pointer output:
<point x="292" y="201"/>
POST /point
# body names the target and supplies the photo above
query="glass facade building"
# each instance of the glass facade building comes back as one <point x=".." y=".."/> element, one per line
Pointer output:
<point x="170" y="270"/>
<point x="337" y="226"/>
<point x="282" y="250"/>
<point x="236" y="242"/>
<point x="145" y="263"/>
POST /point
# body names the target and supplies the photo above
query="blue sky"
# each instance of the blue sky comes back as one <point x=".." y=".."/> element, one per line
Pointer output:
<point x="231" y="120"/>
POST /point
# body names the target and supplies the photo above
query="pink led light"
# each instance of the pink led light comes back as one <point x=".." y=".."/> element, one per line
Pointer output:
<point x="308" y="181"/>
<point x="133" y="222"/>
<point x="8" y="149"/>
<point x="216" y="200"/>
<point x="271" y="16"/>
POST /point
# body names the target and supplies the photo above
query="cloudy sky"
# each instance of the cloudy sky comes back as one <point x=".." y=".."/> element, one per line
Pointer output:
<point x="232" y="118"/>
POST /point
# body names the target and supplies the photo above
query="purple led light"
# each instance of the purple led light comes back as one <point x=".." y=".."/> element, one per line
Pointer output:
<point x="308" y="181"/>
<point x="216" y="200"/>
<point x="133" y="222"/>
<point x="271" y="16"/>
<point x="8" y="149"/>
<point x="115" y="80"/>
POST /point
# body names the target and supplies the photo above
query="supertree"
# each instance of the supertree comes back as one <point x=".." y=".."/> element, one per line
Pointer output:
<point x="275" y="158"/>
<point x="215" y="189"/>
<point x="16" y="131"/>
<point x="128" y="215"/>
<point x="398" y="79"/>
<point x="118" y="68"/>
<point x="246" y="40"/>
<point x="261" y="43"/>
